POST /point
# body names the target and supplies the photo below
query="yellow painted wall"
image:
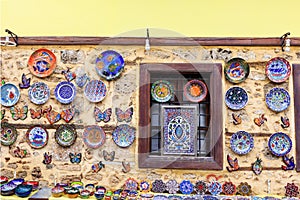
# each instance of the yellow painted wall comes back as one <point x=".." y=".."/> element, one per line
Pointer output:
<point x="193" y="18"/>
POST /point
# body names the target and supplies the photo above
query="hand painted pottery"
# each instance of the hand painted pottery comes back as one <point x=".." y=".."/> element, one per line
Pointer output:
<point x="10" y="94"/>
<point x="186" y="187"/>
<point x="39" y="93"/>
<point x="9" y="134"/>
<point x="57" y="191"/>
<point x="109" y="64"/>
<point x="175" y="197"/>
<point x="65" y="92"/>
<point x="35" y="184"/>
<point x="93" y="136"/>
<point x="228" y="188"/>
<point x="81" y="80"/>
<point x="244" y="189"/>
<point x="278" y="99"/>
<point x="95" y="91"/>
<point x="17" y="181"/>
<point x="145" y="186"/>
<point x="37" y="137"/>
<point x="158" y="186"/>
<point x="195" y="90"/>
<point x="215" y="188"/>
<point x="291" y="190"/>
<point x="162" y="91"/>
<point x="241" y="142"/>
<point x="236" y="70"/>
<point x="3" y="179"/>
<point x="42" y="63"/>
<point x="123" y="135"/>
<point x="85" y="194"/>
<point x="236" y="98"/>
<point x="200" y="187"/>
<point x="131" y="184"/>
<point x="65" y="135"/>
<point x="8" y="189"/>
<point x="172" y="186"/>
<point x="278" y="70"/>
<point x="160" y="197"/>
<point x="280" y="144"/>
<point x="72" y="193"/>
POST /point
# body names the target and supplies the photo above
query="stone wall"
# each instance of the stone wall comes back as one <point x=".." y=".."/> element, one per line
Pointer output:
<point x="123" y="93"/>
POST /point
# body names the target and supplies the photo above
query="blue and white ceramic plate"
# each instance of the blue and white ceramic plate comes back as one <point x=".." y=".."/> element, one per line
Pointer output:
<point x="278" y="99"/>
<point x="123" y="135"/>
<point x="186" y="187"/>
<point x="109" y="64"/>
<point x="39" y="93"/>
<point x="65" y="92"/>
<point x="95" y="91"/>
<point x="10" y="94"/>
<point x="280" y="144"/>
<point x="236" y="98"/>
<point x="37" y="137"/>
<point x="215" y="188"/>
<point x="241" y="142"/>
<point x="278" y="70"/>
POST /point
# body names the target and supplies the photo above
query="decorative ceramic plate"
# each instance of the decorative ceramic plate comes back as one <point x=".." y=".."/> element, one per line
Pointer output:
<point x="280" y="144"/>
<point x="8" y="134"/>
<point x="236" y="70"/>
<point x="172" y="186"/>
<point x="241" y="142"/>
<point x="162" y="91"/>
<point x="10" y="94"/>
<point x="236" y="98"/>
<point x="186" y="187"/>
<point x="94" y="136"/>
<point x="195" y="90"/>
<point x="228" y="188"/>
<point x="158" y="186"/>
<point x="65" y="135"/>
<point x="131" y="184"/>
<point x="200" y="187"/>
<point x="278" y="70"/>
<point x="215" y="188"/>
<point x="123" y="135"/>
<point x="145" y="186"/>
<point x="39" y="93"/>
<point x="109" y="64"/>
<point x="65" y="92"/>
<point x="37" y="137"/>
<point x="95" y="91"/>
<point x="42" y="63"/>
<point x="278" y="99"/>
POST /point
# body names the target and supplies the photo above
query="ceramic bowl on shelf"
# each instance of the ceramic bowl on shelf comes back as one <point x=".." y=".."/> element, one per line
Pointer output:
<point x="35" y="184"/>
<point x="3" y="180"/>
<point x="57" y="191"/>
<point x="8" y="189"/>
<point x="85" y="194"/>
<point x="23" y="190"/>
<point x="73" y="193"/>
<point x="17" y="181"/>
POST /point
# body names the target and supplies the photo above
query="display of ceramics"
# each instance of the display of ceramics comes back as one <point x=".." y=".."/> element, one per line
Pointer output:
<point x="236" y="70"/>
<point x="123" y="135"/>
<point x="9" y="134"/>
<point x="42" y="63"/>
<point x="39" y="93"/>
<point x="65" y="92"/>
<point x="236" y="98"/>
<point x="37" y="137"/>
<point x="158" y="186"/>
<point x="215" y="188"/>
<point x="278" y="99"/>
<point x="8" y="189"/>
<point x="109" y="64"/>
<point x="95" y="91"/>
<point x="35" y="184"/>
<point x="172" y="186"/>
<point x="186" y="187"/>
<point x="162" y="91"/>
<point x="195" y="90"/>
<point x="10" y="94"/>
<point x="93" y="136"/>
<point x="200" y="187"/>
<point x="278" y="69"/>
<point x="241" y="142"/>
<point x="65" y="135"/>
<point x="280" y="144"/>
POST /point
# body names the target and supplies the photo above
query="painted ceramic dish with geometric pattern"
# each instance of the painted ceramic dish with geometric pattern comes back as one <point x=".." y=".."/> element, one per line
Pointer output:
<point x="241" y="142"/>
<point x="9" y="134"/>
<point x="215" y="188"/>
<point x="278" y="70"/>
<point x="39" y="93"/>
<point x="236" y="98"/>
<point x="280" y="144"/>
<point x="162" y="91"/>
<point x="95" y="91"/>
<point x="195" y="90"/>
<point x="236" y="70"/>
<point x="278" y="99"/>
<point x="123" y="135"/>
<point x="37" y="137"/>
<point x="10" y="94"/>
<point x="65" y="92"/>
<point x="65" y="135"/>
<point x="186" y="187"/>
<point x="93" y="136"/>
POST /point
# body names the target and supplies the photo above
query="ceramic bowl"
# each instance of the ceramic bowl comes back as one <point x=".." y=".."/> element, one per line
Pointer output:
<point x="100" y="189"/>
<point x="99" y="194"/>
<point x="90" y="187"/>
<point x="85" y="194"/>
<point x="3" y="179"/>
<point x="57" y="191"/>
<point x="67" y="188"/>
<point x="23" y="190"/>
<point x="73" y="193"/>
<point x="35" y="184"/>
<point x="8" y="189"/>
<point x="17" y="181"/>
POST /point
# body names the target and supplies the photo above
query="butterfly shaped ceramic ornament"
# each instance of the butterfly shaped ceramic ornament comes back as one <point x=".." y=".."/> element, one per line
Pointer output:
<point x="19" y="113"/>
<point x="47" y="158"/>
<point x="25" y="82"/>
<point x="36" y="114"/>
<point x="75" y="158"/>
<point x="102" y="116"/>
<point x="124" y="115"/>
<point x="109" y="156"/>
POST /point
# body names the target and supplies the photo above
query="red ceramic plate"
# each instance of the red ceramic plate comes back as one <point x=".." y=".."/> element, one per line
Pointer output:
<point x="42" y="63"/>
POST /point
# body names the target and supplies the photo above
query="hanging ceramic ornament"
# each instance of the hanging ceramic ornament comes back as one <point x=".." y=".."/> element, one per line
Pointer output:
<point x="234" y="164"/>
<point x="289" y="163"/>
<point x="256" y="166"/>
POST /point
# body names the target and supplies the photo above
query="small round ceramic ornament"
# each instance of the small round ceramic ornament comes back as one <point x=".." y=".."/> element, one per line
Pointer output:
<point x="93" y="136"/>
<point x="65" y="135"/>
<point x="95" y="91"/>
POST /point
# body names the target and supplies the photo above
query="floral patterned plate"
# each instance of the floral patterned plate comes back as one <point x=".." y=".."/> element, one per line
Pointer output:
<point x="158" y="186"/>
<point x="186" y="187"/>
<point x="215" y="188"/>
<point x="236" y="70"/>
<point x="109" y="64"/>
<point x="65" y="135"/>
<point x="172" y="186"/>
<point x="94" y="136"/>
<point x="123" y="135"/>
<point x="42" y="63"/>
<point x="278" y="70"/>
<point x="37" y="137"/>
<point x="200" y="187"/>
<point x="162" y="91"/>
<point x="8" y="134"/>
<point x="280" y="144"/>
<point x="236" y="98"/>
<point x="195" y="90"/>
<point x="278" y="99"/>
<point x="65" y="92"/>
<point x="39" y="93"/>
<point x="241" y="142"/>
<point x="10" y="94"/>
<point x="95" y="91"/>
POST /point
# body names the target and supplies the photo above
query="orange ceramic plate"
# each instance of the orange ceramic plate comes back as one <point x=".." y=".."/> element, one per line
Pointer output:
<point x="195" y="90"/>
<point x="42" y="63"/>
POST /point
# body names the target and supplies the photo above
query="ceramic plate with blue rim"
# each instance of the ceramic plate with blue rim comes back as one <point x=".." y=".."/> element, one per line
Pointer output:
<point x="109" y="64"/>
<point x="236" y="98"/>
<point x="280" y="144"/>
<point x="65" y="92"/>
<point x="123" y="135"/>
<point x="10" y="94"/>
<point x="241" y="142"/>
<point x="162" y="91"/>
<point x="278" y="70"/>
<point x="39" y="93"/>
<point x="186" y="187"/>
<point x="278" y="99"/>
<point x="236" y="70"/>
<point x="37" y="137"/>
<point x="95" y="91"/>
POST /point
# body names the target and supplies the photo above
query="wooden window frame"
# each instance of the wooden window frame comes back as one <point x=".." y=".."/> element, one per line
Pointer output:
<point x="145" y="160"/>
<point x="296" y="76"/>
